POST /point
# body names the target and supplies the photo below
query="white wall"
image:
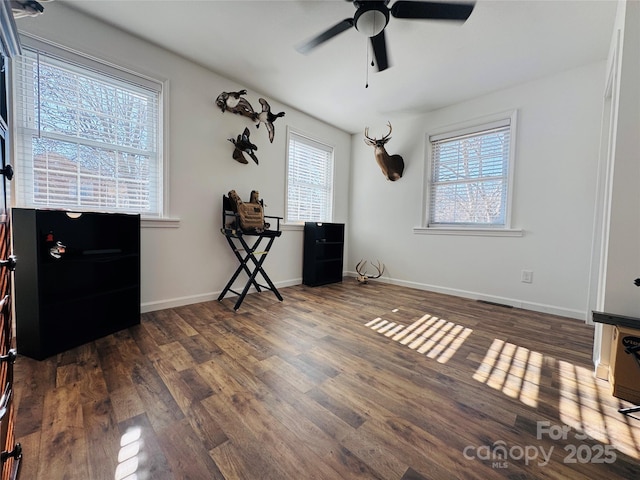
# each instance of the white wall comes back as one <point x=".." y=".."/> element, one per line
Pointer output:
<point x="623" y="253"/>
<point x="193" y="262"/>
<point x="621" y="234"/>
<point x="556" y="164"/>
<point x="557" y="146"/>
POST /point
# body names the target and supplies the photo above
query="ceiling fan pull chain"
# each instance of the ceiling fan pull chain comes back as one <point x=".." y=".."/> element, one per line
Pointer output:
<point x="373" y="31"/>
<point x="367" y="64"/>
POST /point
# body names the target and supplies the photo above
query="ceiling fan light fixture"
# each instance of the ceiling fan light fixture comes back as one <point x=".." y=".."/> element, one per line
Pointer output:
<point x="370" y="20"/>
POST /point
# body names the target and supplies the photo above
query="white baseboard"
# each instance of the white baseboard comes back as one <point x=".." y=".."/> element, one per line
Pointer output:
<point x="602" y="371"/>
<point x="536" y="307"/>
<point x="203" y="297"/>
<point x="177" y="302"/>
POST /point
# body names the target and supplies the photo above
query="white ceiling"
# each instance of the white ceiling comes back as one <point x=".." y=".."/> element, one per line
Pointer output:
<point x="433" y="63"/>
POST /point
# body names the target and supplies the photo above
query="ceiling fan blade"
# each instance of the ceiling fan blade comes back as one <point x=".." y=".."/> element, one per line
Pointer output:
<point x="432" y="10"/>
<point x="340" y="27"/>
<point x="379" y="45"/>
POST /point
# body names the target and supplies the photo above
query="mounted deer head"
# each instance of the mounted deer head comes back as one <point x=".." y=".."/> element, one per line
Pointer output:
<point x="362" y="272"/>
<point x="392" y="166"/>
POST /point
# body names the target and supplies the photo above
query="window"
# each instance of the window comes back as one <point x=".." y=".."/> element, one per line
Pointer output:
<point x="470" y="170"/>
<point x="88" y="134"/>
<point x="309" y="180"/>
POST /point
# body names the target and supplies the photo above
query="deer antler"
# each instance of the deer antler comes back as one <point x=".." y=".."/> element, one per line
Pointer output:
<point x="387" y="137"/>
<point x="374" y="141"/>
<point x="362" y="272"/>
<point x="368" y="140"/>
<point x="361" y="263"/>
<point x="380" y="271"/>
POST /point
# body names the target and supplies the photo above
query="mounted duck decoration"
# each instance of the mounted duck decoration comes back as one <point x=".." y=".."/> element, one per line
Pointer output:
<point x="267" y="118"/>
<point x="392" y="166"/>
<point x="243" y="145"/>
<point x="26" y="8"/>
<point x="235" y="103"/>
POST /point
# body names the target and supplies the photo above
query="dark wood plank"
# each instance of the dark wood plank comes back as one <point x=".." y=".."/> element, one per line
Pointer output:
<point x="337" y="382"/>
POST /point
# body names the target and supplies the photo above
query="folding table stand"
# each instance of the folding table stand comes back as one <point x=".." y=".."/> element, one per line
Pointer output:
<point x="250" y="258"/>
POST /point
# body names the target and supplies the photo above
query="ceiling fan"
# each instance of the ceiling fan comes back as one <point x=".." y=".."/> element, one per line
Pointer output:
<point x="372" y="17"/>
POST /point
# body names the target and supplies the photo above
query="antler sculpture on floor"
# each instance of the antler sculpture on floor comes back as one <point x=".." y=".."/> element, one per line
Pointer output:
<point x="363" y="277"/>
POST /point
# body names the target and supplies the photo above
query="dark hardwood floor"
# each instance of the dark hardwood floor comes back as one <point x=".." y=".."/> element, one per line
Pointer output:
<point x="336" y="382"/>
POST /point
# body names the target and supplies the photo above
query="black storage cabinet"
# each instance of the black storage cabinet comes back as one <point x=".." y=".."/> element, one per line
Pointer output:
<point x="323" y="253"/>
<point x="89" y="291"/>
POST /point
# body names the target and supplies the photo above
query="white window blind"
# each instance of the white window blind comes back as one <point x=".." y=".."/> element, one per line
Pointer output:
<point x="88" y="135"/>
<point x="309" y="180"/>
<point x="469" y="176"/>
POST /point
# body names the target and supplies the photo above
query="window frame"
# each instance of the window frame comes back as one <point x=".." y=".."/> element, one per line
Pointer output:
<point x="159" y="217"/>
<point x="478" y="125"/>
<point x="293" y="133"/>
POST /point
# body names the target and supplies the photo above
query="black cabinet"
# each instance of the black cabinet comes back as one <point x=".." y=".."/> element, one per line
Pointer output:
<point x="323" y="253"/>
<point x="79" y="278"/>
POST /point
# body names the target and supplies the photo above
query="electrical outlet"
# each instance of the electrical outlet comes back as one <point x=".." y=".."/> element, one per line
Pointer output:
<point x="526" y="276"/>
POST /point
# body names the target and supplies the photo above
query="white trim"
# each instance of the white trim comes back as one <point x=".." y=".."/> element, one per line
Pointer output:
<point x="9" y="38"/>
<point x="86" y="61"/>
<point x="321" y="143"/>
<point x="205" y="297"/>
<point x="162" y="222"/>
<point x="472" y="124"/>
<point x="512" y="167"/>
<point x="602" y="208"/>
<point x="470" y="128"/>
<point x="163" y="149"/>
<point x="523" y="304"/>
<point x="532" y="306"/>
<point x="602" y="366"/>
<point x="140" y="80"/>
<point x="496" y="120"/>
<point x="294" y="227"/>
<point x="471" y="231"/>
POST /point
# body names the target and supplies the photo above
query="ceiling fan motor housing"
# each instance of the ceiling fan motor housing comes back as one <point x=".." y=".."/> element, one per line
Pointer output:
<point x="371" y="17"/>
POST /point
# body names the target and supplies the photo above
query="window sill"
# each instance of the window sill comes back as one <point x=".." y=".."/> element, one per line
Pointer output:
<point x="295" y="227"/>
<point x="471" y="232"/>
<point x="164" y="222"/>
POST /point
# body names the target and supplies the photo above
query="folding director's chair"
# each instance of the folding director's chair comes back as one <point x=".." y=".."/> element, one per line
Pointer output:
<point x="251" y="259"/>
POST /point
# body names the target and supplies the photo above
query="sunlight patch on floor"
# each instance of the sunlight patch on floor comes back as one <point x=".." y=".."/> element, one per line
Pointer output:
<point x="512" y="369"/>
<point x="431" y="336"/>
<point x="516" y="372"/>
<point x="581" y="408"/>
<point x="129" y="455"/>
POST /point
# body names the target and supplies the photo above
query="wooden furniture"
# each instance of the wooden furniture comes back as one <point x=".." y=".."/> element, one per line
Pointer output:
<point x="79" y="278"/>
<point x="245" y="252"/>
<point x="323" y="253"/>
<point x="10" y="451"/>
